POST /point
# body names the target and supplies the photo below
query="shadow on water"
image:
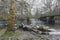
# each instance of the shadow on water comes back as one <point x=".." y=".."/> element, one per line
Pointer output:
<point x="56" y="25"/>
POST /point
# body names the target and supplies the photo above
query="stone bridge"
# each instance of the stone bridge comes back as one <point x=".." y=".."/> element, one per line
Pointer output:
<point x="49" y="17"/>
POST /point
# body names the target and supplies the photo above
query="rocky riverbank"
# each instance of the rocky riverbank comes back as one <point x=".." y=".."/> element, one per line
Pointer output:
<point x="30" y="32"/>
<point x="25" y="35"/>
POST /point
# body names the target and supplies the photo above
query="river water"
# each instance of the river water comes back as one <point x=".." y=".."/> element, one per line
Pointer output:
<point x="56" y="26"/>
<point x="38" y="22"/>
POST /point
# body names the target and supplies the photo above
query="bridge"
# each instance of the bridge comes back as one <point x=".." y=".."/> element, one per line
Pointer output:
<point x="50" y="17"/>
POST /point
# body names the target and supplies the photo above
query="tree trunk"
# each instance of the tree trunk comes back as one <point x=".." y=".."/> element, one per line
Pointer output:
<point x="11" y="25"/>
<point x="28" y="21"/>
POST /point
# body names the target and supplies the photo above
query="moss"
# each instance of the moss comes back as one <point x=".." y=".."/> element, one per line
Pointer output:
<point x="2" y="32"/>
<point x="11" y="33"/>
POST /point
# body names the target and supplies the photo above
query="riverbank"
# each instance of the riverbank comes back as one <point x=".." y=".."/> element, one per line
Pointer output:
<point x="28" y="34"/>
<point x="25" y="32"/>
<point x="25" y="35"/>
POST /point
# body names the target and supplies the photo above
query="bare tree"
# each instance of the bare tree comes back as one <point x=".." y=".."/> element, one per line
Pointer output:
<point x="37" y="14"/>
<point x="22" y="8"/>
<point x="49" y="6"/>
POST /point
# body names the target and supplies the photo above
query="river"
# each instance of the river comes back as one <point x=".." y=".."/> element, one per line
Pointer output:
<point x="56" y="26"/>
<point x="37" y="22"/>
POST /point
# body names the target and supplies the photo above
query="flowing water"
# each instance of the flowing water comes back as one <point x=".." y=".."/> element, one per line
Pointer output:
<point x="56" y="26"/>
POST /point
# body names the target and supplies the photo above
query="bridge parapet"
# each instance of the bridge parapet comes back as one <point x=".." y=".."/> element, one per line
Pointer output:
<point x="50" y="14"/>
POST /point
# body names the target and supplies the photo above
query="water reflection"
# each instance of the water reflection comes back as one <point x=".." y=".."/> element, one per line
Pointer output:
<point x="37" y="22"/>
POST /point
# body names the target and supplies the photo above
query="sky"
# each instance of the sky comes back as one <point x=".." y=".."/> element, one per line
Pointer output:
<point x="36" y="4"/>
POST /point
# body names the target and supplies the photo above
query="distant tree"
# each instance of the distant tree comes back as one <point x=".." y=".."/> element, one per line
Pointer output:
<point x="22" y="8"/>
<point x="4" y="9"/>
<point x="28" y="16"/>
<point x="49" y="6"/>
<point x="37" y="13"/>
